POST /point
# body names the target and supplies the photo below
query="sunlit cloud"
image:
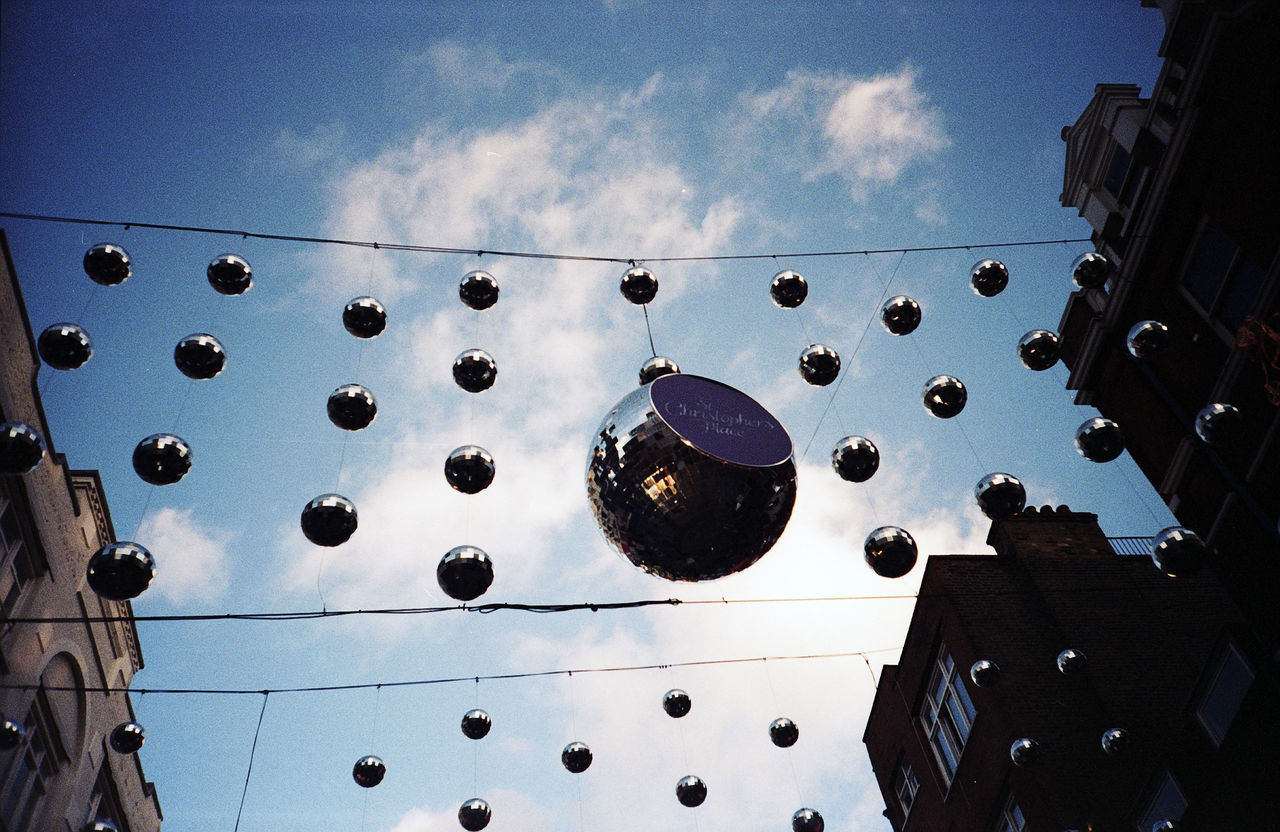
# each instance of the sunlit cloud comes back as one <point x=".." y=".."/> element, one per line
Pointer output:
<point x="191" y="558"/>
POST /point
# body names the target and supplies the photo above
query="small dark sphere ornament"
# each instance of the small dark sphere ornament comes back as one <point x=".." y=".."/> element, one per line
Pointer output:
<point x="368" y="771"/>
<point x="576" y="757"/>
<point x="162" y="459"/>
<point x="788" y="289"/>
<point x="364" y="317"/>
<point x="127" y="738"/>
<point x="1070" y="661"/>
<point x="1099" y="440"/>
<point x="64" y="346"/>
<point x="469" y="469"/>
<point x="21" y="448"/>
<point x="99" y="826"/>
<point x="229" y="274"/>
<point x="676" y="703"/>
<point x="478" y="290"/>
<point x="11" y="734"/>
<point x="1090" y="270"/>
<point x="107" y="264"/>
<point x="1039" y="349"/>
<point x="988" y="278"/>
<point x="944" y="396"/>
<point x="476" y="724"/>
<point x="475" y="370"/>
<point x="819" y="365"/>
<point x="465" y="573"/>
<point x="691" y="790"/>
<point x="1024" y="752"/>
<point x="1116" y="741"/>
<point x="855" y="458"/>
<point x="657" y="367"/>
<point x="1000" y="496"/>
<point x="120" y="571"/>
<point x="200" y="356"/>
<point x="984" y="673"/>
<point x="807" y="820"/>
<point x="1166" y="825"/>
<point x="783" y="732"/>
<point x="890" y="551"/>
<point x="474" y="815"/>
<point x="1148" y="339"/>
<point x="900" y="315"/>
<point x="1219" y="424"/>
<point x="690" y="479"/>
<point x="638" y="285"/>
<point x="352" y="407"/>
<point x="1178" y="552"/>
<point x="329" y="520"/>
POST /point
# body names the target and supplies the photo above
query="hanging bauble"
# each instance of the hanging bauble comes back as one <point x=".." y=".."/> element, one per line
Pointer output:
<point x="819" y="365"/>
<point x="162" y="459"/>
<point x="807" y="820"/>
<point x="476" y="724"/>
<point x="855" y="458"/>
<point x="1099" y="440"/>
<point x="364" y="317"/>
<point x="21" y="448"/>
<point x="200" y="356"/>
<point x="988" y="278"/>
<point x="783" y="732"/>
<point x="890" y="551"/>
<point x="656" y="367"/>
<point x="11" y="734"/>
<point x="1116" y="741"/>
<point x="676" y="703"/>
<point x="984" y="673"/>
<point x="127" y="738"/>
<point x="469" y="469"/>
<point x="1178" y="552"/>
<point x="99" y="825"/>
<point x="1219" y="424"/>
<point x="576" y="757"/>
<point x="464" y="573"/>
<point x="120" y="571"/>
<point x="1090" y="270"/>
<point x="1000" y="496"/>
<point x="475" y="370"/>
<point x="1166" y="825"/>
<point x="788" y="289"/>
<point x="329" y="520"/>
<point x="64" y="346"/>
<point x="691" y="791"/>
<point x="1070" y="661"/>
<point x="229" y="274"/>
<point x="944" y="396"/>
<point x="474" y="815"/>
<point x="1148" y="339"/>
<point x="368" y="771"/>
<point x="352" y="407"/>
<point x="1039" y="349"/>
<point x="107" y="264"/>
<point x="900" y="315"/>
<point x="1024" y="752"/>
<point x="691" y="479"/>
<point x="478" y="290"/>
<point x="638" y="285"/>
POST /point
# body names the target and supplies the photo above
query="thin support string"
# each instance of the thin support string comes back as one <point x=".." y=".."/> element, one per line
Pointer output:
<point x="252" y="751"/>
<point x="475" y="750"/>
<point x="373" y="735"/>
<point x="795" y="777"/>
<point x="142" y="516"/>
<point x="324" y="557"/>
<point x="573" y="727"/>
<point x="875" y="684"/>
<point x="982" y="467"/>
<point x="1137" y="491"/>
<point x="653" y="351"/>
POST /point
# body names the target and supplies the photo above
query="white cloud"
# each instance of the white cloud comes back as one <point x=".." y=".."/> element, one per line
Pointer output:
<point x="321" y="145"/>
<point x="191" y="559"/>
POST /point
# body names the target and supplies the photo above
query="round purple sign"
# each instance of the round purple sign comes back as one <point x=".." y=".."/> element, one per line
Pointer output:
<point x="720" y="421"/>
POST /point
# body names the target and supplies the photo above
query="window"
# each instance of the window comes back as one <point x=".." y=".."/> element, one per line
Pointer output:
<point x="1222" y="279"/>
<point x="905" y="786"/>
<point x="104" y="803"/>
<point x="1117" y="169"/>
<point x="16" y="561"/>
<point x="1167" y="801"/>
<point x="1229" y="681"/>
<point x="1010" y="818"/>
<point x="947" y="713"/>
<point x="35" y="763"/>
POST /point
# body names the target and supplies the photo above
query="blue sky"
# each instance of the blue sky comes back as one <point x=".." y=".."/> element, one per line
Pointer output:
<point x="620" y="129"/>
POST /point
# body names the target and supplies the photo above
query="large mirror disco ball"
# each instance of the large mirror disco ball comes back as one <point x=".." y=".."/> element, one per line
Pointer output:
<point x="819" y="365"/>
<point x="1000" y="496"/>
<point x="855" y="458"/>
<point x="465" y="573"/>
<point x="676" y="703"/>
<point x="900" y="315"/>
<point x="1099" y="440"/>
<point x="788" y="289"/>
<point x="21" y="448"/>
<point x="478" y="290"/>
<point x="944" y="396"/>
<point x="1024" y="752"/>
<point x="120" y="571"/>
<point x="64" y="346"/>
<point x="1090" y="270"/>
<point x="476" y="724"/>
<point x="691" y="790"/>
<point x="1219" y="424"/>
<point x="162" y="459"/>
<point x="576" y="757"/>
<point x="329" y="520"/>
<point x="1039" y="349"/>
<point x="364" y="317"/>
<point x="783" y="732"/>
<point x="352" y="407"/>
<point x="807" y="820"/>
<point x="691" y="479"/>
<point x="475" y="370"/>
<point x="200" y="356"/>
<point x="11" y="734"/>
<point x="638" y="285"/>
<point x="229" y="274"/>
<point x="890" y="551"/>
<point x="474" y="815"/>
<point x="1148" y="339"/>
<point x="368" y="771"/>
<point x="1178" y="552"/>
<point x="107" y="264"/>
<point x="127" y="738"/>
<point x="988" y="278"/>
<point x="469" y="469"/>
<point x="656" y="367"/>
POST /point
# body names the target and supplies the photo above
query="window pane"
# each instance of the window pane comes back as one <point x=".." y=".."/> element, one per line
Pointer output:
<point x="1116" y="170"/>
<point x="969" y="710"/>
<point x="1208" y="266"/>
<point x="1167" y="803"/>
<point x="1225" y="695"/>
<point x="1241" y="293"/>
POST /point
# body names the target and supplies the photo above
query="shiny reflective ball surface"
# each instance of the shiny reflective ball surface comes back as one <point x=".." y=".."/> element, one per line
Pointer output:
<point x="11" y="734"/>
<point x="162" y="459"/>
<point x="900" y="315"/>
<point x="657" y="367"/>
<point x="127" y="738"/>
<point x="107" y="264"/>
<point x="1070" y="661"/>
<point x="1148" y="339"/>
<point x="819" y="365"/>
<point x="368" y="771"/>
<point x="352" y="407"/>
<point x="99" y="826"/>
<point x="691" y="791"/>
<point x="788" y="289"/>
<point x="474" y="815"/>
<point x="329" y="520"/>
<point x="1039" y="349"/>
<point x="1166" y="825"/>
<point x="638" y="285"/>
<point x="807" y="820"/>
<point x="1099" y="440"/>
<point x="364" y="317"/>
<point x="478" y="290"/>
<point x="1116" y="741"/>
<point x="783" y="732"/>
<point x="469" y="469"/>
<point x="890" y="551"/>
<point x="676" y="703"/>
<point x="944" y="396"/>
<point x="64" y="346"/>
<point x="988" y="278"/>
<point x="691" y="479"/>
<point x="464" y="573"/>
<point x="1178" y="552"/>
<point x="1000" y="496"/>
<point x="229" y="274"/>
<point x="1024" y="751"/>
<point x="476" y="724"/>
<point x="475" y="370"/>
<point x="984" y="673"/>
<point x="576" y="757"/>
<point x="119" y="571"/>
<point x="1090" y="270"/>
<point x="1219" y="424"/>
<point x="200" y="356"/>
<point x="855" y="458"/>
<point x="21" y="448"/>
